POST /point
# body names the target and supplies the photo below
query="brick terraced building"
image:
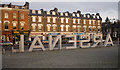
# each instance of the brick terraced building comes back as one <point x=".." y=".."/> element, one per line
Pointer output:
<point x="47" y="22"/>
<point x="16" y="20"/>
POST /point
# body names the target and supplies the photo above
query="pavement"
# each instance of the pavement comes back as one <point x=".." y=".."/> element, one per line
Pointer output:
<point x="100" y="57"/>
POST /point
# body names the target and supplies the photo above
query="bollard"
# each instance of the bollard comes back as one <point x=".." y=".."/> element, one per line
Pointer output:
<point x="3" y="50"/>
<point x="118" y="41"/>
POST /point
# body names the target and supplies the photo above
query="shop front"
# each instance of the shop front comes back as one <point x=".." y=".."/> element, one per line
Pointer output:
<point x="16" y="36"/>
<point x="7" y="36"/>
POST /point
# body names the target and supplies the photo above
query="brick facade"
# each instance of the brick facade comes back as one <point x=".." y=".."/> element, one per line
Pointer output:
<point x="14" y="21"/>
<point x="22" y="20"/>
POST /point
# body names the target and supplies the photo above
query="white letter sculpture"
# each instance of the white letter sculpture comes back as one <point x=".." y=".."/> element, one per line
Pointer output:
<point x="107" y="40"/>
<point x="37" y="46"/>
<point x="21" y="45"/>
<point x="82" y="41"/>
<point x="72" y="47"/>
<point x="97" y="41"/>
<point x="52" y="45"/>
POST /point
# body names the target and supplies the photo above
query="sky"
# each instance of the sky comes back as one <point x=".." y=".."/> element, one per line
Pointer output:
<point x="105" y="8"/>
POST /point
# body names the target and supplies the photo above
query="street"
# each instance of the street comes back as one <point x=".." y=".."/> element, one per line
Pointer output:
<point x="100" y="57"/>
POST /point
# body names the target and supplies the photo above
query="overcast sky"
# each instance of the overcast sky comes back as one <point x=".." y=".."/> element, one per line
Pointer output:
<point x="105" y="9"/>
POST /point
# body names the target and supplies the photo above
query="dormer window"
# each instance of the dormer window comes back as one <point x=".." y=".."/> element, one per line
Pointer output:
<point x="48" y="12"/>
<point x="66" y="14"/>
<point x="84" y="15"/>
<point x="61" y="14"/>
<point x="73" y="14"/>
<point x="39" y="12"/>
<point x="94" y="16"/>
<point x="33" y="11"/>
<point x="78" y="15"/>
<point x="88" y="16"/>
<point x="53" y="12"/>
<point x="98" y="17"/>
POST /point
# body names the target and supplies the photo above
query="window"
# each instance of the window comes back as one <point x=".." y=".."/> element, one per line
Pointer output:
<point x="33" y="11"/>
<point x="14" y="25"/>
<point x="22" y="26"/>
<point x="8" y="38"/>
<point x="62" y="27"/>
<point x="73" y="14"/>
<point x="84" y="22"/>
<point x="39" y="12"/>
<point x="84" y="28"/>
<point x="93" y="29"/>
<point x="66" y="20"/>
<point x="22" y="16"/>
<point x="78" y="21"/>
<point x="53" y="12"/>
<point x="6" y="15"/>
<point x="54" y="19"/>
<point x="34" y="27"/>
<point x="14" y="16"/>
<point x="78" y="15"/>
<point x="84" y="15"/>
<point x="62" y="20"/>
<point x="48" y="27"/>
<point x="40" y="27"/>
<point x="3" y="38"/>
<point x="98" y="17"/>
<point x="33" y="18"/>
<point x="48" y="19"/>
<point x="67" y="27"/>
<point x="66" y="14"/>
<point x="48" y="12"/>
<point x="61" y="14"/>
<point x="89" y="21"/>
<point x="40" y="19"/>
<point x="89" y="29"/>
<point x="93" y="16"/>
<point x="88" y="16"/>
<point x="98" y="29"/>
<point x="6" y="25"/>
<point x="74" y="20"/>
<point x="74" y="28"/>
<point x="54" y="27"/>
